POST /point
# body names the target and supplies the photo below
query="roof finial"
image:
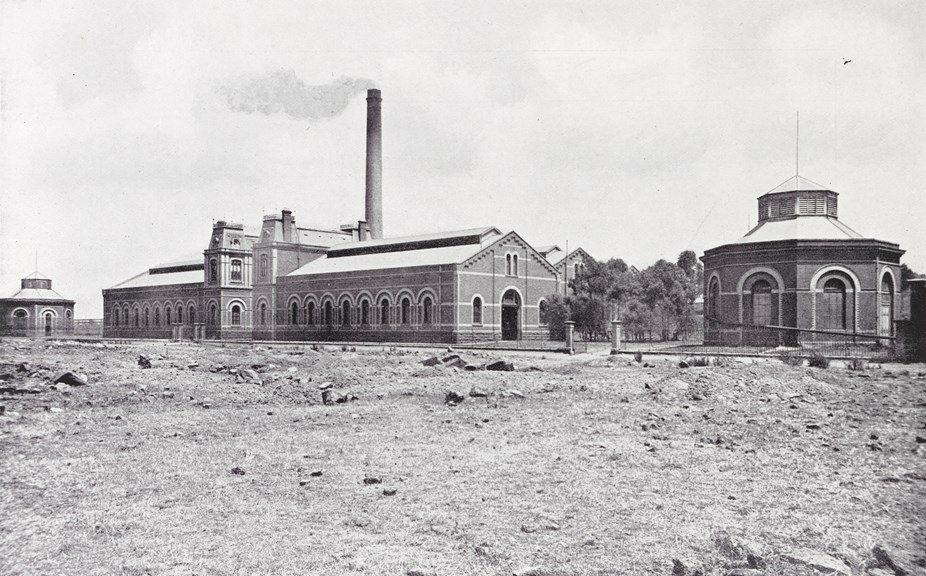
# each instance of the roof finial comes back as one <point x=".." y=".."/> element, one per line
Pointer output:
<point x="797" y="153"/>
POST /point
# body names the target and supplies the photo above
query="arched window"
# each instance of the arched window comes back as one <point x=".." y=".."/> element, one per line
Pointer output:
<point x="263" y="313"/>
<point x="477" y="311"/>
<point x="406" y="308"/>
<point x="427" y="311"/>
<point x="761" y="303"/>
<point x="886" y="311"/>
<point x="167" y="315"/>
<point x="192" y="315"/>
<point x="507" y="264"/>
<point x="345" y="313"/>
<point x="157" y="316"/>
<point x="264" y="266"/>
<point x="713" y="299"/>
<point x="20" y="316"/>
<point x="832" y="305"/>
<point x="294" y="314"/>
<point x="115" y="315"/>
<point x="364" y="312"/>
<point x="542" y="311"/>
<point x="514" y="264"/>
<point x="147" y="317"/>
<point x="329" y="316"/>
<point x="236" y="270"/>
<point x="213" y="313"/>
<point x="236" y="315"/>
<point x="179" y="314"/>
<point x="136" y="318"/>
<point x="575" y="269"/>
<point x="310" y="313"/>
<point x="213" y="270"/>
<point x="384" y="311"/>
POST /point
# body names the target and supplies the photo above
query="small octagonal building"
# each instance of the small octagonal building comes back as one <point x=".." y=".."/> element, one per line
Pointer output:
<point x="36" y="310"/>
<point x="800" y="267"/>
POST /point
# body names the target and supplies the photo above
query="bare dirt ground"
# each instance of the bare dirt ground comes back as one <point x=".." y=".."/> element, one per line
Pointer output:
<point x="569" y="465"/>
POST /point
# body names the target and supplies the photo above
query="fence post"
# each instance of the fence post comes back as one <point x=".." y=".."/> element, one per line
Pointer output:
<point x="615" y="336"/>
<point x="570" y="336"/>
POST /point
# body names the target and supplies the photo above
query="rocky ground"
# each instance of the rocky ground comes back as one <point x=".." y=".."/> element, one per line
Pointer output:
<point x="155" y="459"/>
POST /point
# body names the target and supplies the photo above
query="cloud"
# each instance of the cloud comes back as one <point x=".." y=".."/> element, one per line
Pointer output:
<point x="281" y="91"/>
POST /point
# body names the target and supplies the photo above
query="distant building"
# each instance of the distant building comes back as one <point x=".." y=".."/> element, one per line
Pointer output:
<point x="36" y="310"/>
<point x="800" y="267"/>
<point x="568" y="265"/>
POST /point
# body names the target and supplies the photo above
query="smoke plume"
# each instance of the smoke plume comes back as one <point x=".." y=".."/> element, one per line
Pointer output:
<point x="282" y="92"/>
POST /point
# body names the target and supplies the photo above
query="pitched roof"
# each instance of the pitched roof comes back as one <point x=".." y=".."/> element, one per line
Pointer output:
<point x="181" y="271"/>
<point x="795" y="183"/>
<point x="404" y="252"/>
<point x="37" y="294"/>
<point x="803" y="228"/>
<point x="36" y="276"/>
<point x="571" y="254"/>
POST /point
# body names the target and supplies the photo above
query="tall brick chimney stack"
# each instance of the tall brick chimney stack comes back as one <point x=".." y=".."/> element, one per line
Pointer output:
<point x="374" y="195"/>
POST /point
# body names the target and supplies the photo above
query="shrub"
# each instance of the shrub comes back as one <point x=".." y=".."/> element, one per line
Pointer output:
<point x="819" y="361"/>
<point x="791" y="359"/>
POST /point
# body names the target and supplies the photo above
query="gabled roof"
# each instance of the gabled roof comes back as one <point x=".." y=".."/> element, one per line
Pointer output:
<point x="182" y="271"/>
<point x="405" y="252"/>
<point x="803" y="228"/>
<point x="547" y="251"/>
<point x="36" y="276"/>
<point x="571" y="254"/>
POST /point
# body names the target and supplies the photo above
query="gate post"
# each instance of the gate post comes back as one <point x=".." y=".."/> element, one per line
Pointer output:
<point x="570" y="336"/>
<point x="615" y="336"/>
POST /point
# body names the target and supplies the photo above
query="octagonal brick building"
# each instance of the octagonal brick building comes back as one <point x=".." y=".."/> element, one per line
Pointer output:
<point x="800" y="267"/>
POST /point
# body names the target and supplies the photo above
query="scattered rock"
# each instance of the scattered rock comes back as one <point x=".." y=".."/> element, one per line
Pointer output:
<point x="432" y="361"/>
<point x="475" y="392"/>
<point x="500" y="366"/>
<point x="684" y="364"/>
<point x="144" y="361"/>
<point x="23" y="367"/>
<point x="325" y="385"/>
<point x="315" y="473"/>
<point x="450" y="358"/>
<point x="71" y="379"/>
<point x="529" y="571"/>
<point x="817" y="560"/>
<point x="453" y="398"/>
<point x="249" y="375"/>
<point x="207" y="403"/>
<point x="515" y="394"/>
<point x="389" y="491"/>
<point x="372" y="480"/>
<point x="167" y="394"/>
<point x="237" y="471"/>
<point x="884" y="560"/>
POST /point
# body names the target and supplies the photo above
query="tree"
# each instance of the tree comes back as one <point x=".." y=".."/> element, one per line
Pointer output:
<point x="557" y="312"/>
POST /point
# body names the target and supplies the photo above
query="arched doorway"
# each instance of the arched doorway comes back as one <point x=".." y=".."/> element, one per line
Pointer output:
<point x="511" y="315"/>
<point x="886" y="309"/>
<point x="48" y="323"/>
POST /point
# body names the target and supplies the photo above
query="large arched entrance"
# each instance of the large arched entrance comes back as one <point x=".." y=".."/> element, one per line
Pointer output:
<point x="511" y="315"/>
<point x="48" y="323"/>
<point x="886" y="309"/>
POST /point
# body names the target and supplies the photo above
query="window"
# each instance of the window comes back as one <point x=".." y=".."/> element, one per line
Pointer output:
<point x="115" y="316"/>
<point x="406" y="309"/>
<point x="886" y="309"/>
<point x="213" y="313"/>
<point x="263" y="313"/>
<point x="345" y="313"/>
<point x="263" y="266"/>
<point x="136" y="318"/>
<point x="147" y="317"/>
<point x="384" y="311"/>
<point x="514" y="264"/>
<point x="19" y="319"/>
<point x="832" y="305"/>
<point x="477" y="311"/>
<point x="329" y="320"/>
<point x="166" y="316"/>
<point x="192" y="315"/>
<point x="761" y="303"/>
<point x="179" y="314"/>
<point x="157" y="316"/>
<point x="507" y="264"/>
<point x="236" y="270"/>
<point x="812" y="205"/>
<point x="713" y="300"/>
<point x="213" y="270"/>
<point x="364" y="311"/>
<point x="427" y="310"/>
<point x="294" y="314"/>
<point x="542" y="310"/>
<point x="310" y="313"/>
<point x="236" y="315"/>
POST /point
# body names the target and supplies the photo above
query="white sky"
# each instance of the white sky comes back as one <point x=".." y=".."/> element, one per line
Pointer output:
<point x="634" y="129"/>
